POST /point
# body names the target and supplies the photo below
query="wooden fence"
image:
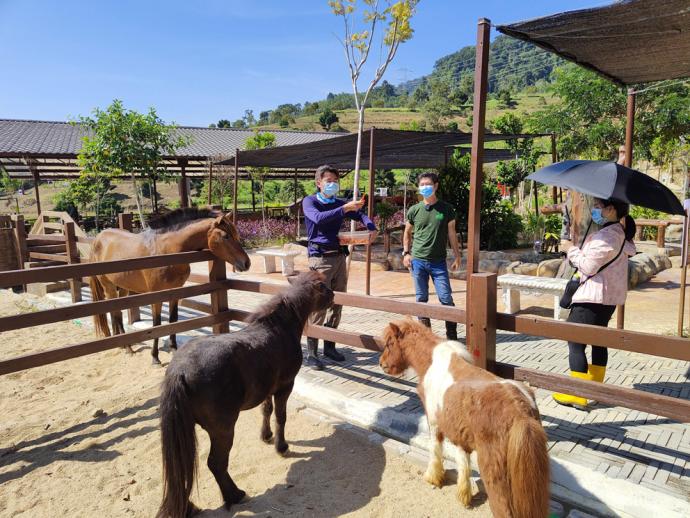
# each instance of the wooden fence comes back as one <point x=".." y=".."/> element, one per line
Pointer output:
<point x="482" y="323"/>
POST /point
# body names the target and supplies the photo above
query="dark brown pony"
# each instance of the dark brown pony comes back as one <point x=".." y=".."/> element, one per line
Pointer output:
<point x="476" y="411"/>
<point x="211" y="379"/>
<point x="182" y="230"/>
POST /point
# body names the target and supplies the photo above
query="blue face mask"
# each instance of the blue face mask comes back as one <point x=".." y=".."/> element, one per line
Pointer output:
<point x="331" y="189"/>
<point x="426" y="190"/>
<point x="598" y="217"/>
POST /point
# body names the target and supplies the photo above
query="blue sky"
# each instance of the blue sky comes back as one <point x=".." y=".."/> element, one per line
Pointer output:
<point x="200" y="61"/>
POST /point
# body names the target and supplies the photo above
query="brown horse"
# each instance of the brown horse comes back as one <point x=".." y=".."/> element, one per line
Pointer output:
<point x="212" y="378"/>
<point x="181" y="230"/>
<point x="476" y="411"/>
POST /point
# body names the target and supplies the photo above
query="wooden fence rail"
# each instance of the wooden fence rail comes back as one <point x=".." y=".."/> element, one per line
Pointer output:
<point x="481" y="333"/>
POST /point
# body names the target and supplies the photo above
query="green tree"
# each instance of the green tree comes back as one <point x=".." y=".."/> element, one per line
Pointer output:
<point x="260" y="140"/>
<point x="384" y="178"/>
<point x="120" y="142"/>
<point x="357" y="45"/>
<point x="224" y="123"/>
<point x="327" y="119"/>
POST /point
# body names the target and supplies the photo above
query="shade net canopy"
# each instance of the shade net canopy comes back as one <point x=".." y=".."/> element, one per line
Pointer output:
<point x="629" y="42"/>
<point x="393" y="149"/>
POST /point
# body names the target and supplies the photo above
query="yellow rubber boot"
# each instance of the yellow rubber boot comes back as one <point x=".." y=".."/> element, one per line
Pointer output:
<point x="597" y="372"/>
<point x="574" y="401"/>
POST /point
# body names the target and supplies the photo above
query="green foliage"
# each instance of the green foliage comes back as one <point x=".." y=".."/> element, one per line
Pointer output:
<point x="385" y="211"/>
<point x="286" y="193"/>
<point x="500" y="226"/>
<point x="120" y="142"/>
<point x="261" y="140"/>
<point x="8" y="184"/>
<point x="327" y="119"/>
<point x="637" y="212"/>
<point x="512" y="173"/>
<point x="384" y="178"/>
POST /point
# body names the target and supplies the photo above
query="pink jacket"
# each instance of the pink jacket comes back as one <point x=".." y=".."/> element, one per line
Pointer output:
<point x="610" y="287"/>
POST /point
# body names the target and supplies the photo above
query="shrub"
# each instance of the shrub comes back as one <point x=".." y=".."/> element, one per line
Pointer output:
<point x="648" y="233"/>
<point x="255" y="234"/>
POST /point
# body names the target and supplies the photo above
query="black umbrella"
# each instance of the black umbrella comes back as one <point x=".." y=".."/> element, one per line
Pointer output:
<point x="609" y="180"/>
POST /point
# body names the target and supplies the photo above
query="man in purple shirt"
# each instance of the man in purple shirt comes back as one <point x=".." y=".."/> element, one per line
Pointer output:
<point x="323" y="216"/>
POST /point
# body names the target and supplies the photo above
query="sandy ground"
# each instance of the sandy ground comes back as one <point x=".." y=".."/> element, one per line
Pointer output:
<point x="80" y="438"/>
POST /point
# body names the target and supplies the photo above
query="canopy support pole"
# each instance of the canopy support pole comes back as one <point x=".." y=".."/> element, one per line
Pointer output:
<point x="629" y="129"/>
<point x="210" y="182"/>
<point x="234" y="186"/>
<point x="184" y="195"/>
<point x="683" y="274"/>
<point x="477" y="158"/>
<point x="370" y="205"/>
<point x="31" y="162"/>
<point x="294" y="205"/>
<point x="554" y="159"/>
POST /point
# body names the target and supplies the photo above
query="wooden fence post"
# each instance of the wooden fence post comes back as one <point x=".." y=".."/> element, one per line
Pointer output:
<point x="72" y="258"/>
<point x="20" y="241"/>
<point x="125" y="222"/>
<point x="219" y="298"/>
<point x="481" y="332"/>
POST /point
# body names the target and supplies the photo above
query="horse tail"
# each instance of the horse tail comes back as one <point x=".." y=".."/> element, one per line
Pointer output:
<point x="100" y="322"/>
<point x="178" y="441"/>
<point x="528" y="469"/>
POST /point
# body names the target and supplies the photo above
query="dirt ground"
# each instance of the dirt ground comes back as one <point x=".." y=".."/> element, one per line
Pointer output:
<point x="80" y="438"/>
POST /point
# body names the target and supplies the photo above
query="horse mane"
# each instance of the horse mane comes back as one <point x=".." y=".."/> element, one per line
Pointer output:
<point x="278" y="307"/>
<point x="179" y="218"/>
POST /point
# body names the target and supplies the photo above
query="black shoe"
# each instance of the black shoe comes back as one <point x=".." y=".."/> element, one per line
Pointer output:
<point x="313" y="362"/>
<point x="330" y="352"/>
<point x="312" y="355"/>
<point x="452" y="331"/>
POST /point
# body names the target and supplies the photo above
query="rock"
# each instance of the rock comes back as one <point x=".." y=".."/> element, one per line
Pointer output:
<point x="99" y="413"/>
<point x="556" y="509"/>
<point x="549" y="268"/>
<point x="520" y="268"/>
<point x="674" y="233"/>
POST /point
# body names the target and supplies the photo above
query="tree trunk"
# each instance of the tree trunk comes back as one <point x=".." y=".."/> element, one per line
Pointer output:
<point x="137" y="197"/>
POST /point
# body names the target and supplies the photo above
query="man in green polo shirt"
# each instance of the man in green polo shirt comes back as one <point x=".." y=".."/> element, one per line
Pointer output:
<point x="430" y="225"/>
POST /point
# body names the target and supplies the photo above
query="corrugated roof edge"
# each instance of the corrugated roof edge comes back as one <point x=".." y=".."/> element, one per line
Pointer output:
<point x="194" y="127"/>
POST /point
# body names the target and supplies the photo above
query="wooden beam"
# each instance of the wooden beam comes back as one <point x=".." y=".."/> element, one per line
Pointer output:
<point x="481" y="334"/>
<point x="219" y="297"/>
<point x="554" y="159"/>
<point x="478" y="129"/>
<point x="72" y="258"/>
<point x="52" y="274"/>
<point x="184" y="192"/>
<point x="31" y="163"/>
<point x="210" y="182"/>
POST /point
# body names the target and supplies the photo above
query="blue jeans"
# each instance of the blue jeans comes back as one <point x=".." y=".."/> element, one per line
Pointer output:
<point x="438" y="271"/>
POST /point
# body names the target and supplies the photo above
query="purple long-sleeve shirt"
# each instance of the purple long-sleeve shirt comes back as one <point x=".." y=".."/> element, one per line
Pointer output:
<point x="323" y="221"/>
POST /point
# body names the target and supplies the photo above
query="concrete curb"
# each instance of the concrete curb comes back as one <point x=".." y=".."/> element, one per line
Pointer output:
<point x="570" y="482"/>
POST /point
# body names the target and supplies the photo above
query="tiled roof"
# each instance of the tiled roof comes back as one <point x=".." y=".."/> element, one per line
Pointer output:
<point x="42" y="138"/>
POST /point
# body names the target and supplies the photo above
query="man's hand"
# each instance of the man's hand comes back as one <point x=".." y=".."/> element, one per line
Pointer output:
<point x="455" y="266"/>
<point x="355" y="205"/>
<point x="407" y="261"/>
<point x="372" y="235"/>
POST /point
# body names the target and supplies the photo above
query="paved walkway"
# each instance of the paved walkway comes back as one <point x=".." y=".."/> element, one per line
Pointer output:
<point x="646" y="452"/>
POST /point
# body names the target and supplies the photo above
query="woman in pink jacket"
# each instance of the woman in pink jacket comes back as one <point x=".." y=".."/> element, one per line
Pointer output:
<point x="602" y="265"/>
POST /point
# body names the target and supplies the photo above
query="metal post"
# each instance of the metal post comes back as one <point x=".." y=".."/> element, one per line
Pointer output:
<point x="554" y="159"/>
<point x="234" y="186"/>
<point x="629" y="128"/>
<point x="370" y="205"/>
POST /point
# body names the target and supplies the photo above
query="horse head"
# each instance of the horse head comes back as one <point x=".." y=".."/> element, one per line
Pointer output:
<point x="393" y="360"/>
<point x="321" y="295"/>
<point x="224" y="242"/>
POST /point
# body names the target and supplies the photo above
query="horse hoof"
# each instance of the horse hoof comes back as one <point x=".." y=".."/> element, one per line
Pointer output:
<point x="267" y="438"/>
<point x="434" y="478"/>
<point x="156" y="362"/>
<point x="236" y="498"/>
<point x="282" y="449"/>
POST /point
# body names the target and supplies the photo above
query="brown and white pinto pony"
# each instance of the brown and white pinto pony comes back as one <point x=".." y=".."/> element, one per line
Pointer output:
<point x="476" y="411"/>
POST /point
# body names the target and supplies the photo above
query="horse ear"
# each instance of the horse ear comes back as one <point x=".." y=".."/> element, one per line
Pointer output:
<point x="228" y="217"/>
<point x="218" y="222"/>
<point x="395" y="330"/>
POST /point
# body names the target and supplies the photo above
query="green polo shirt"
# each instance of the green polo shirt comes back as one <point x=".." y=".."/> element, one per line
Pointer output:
<point x="430" y="229"/>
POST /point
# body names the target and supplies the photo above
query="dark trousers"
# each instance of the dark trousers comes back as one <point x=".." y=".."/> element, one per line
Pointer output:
<point x="596" y="315"/>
